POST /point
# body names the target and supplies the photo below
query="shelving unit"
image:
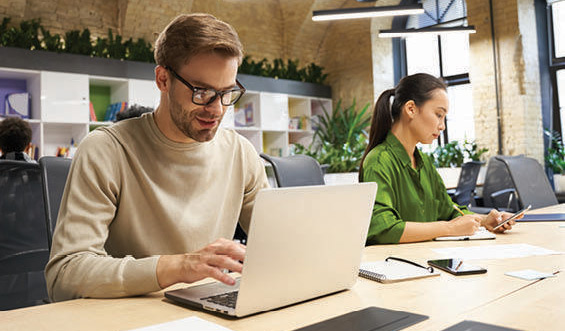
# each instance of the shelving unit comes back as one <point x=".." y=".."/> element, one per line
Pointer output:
<point x="62" y="86"/>
<point x="59" y="107"/>
<point x="278" y="121"/>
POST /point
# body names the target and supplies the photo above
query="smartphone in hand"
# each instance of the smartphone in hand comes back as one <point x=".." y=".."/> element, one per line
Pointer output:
<point x="456" y="267"/>
<point x="513" y="217"/>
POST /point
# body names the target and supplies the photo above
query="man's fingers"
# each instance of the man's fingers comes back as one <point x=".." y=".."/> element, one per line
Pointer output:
<point x="223" y="262"/>
<point x="209" y="271"/>
<point x="227" y="247"/>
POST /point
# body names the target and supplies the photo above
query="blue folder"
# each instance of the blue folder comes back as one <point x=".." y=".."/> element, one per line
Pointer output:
<point x="542" y="218"/>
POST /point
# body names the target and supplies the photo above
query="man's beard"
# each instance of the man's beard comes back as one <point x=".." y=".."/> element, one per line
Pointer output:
<point x="186" y="122"/>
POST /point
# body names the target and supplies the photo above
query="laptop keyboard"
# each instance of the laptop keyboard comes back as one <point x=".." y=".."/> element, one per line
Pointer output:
<point x="225" y="299"/>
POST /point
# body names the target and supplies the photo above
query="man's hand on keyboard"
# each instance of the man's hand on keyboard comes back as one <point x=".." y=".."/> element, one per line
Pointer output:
<point x="206" y="262"/>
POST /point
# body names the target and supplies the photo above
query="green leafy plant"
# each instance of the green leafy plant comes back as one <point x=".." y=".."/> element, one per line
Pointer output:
<point x="52" y="43"/>
<point x="312" y="73"/>
<point x="116" y="49"/>
<point x="453" y="155"/>
<point x="555" y="157"/>
<point x="340" y="139"/>
<point x="77" y="42"/>
<point x="139" y="50"/>
<point x="26" y="36"/>
<point x="100" y="48"/>
<point x="448" y="155"/>
<point x="473" y="151"/>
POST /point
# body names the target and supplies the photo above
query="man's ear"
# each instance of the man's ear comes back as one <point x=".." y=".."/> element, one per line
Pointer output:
<point x="410" y="109"/>
<point x="162" y="78"/>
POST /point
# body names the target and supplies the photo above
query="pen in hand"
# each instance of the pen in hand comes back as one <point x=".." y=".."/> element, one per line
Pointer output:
<point x="459" y="210"/>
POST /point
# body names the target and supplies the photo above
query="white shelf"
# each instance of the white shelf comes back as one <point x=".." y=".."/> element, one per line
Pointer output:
<point x="271" y="119"/>
<point x="59" y="104"/>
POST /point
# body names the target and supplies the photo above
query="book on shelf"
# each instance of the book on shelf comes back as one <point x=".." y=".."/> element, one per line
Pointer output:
<point x="113" y="110"/>
<point x="394" y="269"/>
<point x="92" y="113"/>
<point x="243" y="116"/>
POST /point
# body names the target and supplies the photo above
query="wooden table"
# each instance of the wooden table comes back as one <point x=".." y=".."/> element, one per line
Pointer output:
<point x="490" y="298"/>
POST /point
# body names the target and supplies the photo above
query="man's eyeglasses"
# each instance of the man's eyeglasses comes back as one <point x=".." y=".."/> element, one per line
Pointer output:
<point x="205" y="96"/>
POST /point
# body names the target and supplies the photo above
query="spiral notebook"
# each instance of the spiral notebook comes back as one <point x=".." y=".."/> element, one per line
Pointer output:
<point x="393" y="270"/>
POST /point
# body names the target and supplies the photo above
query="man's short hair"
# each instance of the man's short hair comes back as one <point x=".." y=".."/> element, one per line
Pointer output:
<point x="15" y="135"/>
<point x="191" y="34"/>
<point x="132" y="111"/>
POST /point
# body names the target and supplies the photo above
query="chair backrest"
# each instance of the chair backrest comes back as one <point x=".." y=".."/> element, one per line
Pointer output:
<point x="295" y="170"/>
<point x="54" y="172"/>
<point x="23" y="235"/>
<point x="497" y="179"/>
<point x="530" y="181"/>
<point x="465" y="191"/>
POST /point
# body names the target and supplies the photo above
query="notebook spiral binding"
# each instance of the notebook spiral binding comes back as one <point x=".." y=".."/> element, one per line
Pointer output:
<point x="372" y="275"/>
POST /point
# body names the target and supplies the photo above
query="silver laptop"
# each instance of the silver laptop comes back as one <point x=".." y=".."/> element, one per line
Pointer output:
<point x="303" y="242"/>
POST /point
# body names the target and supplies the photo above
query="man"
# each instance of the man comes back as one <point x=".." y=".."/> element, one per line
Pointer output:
<point x="150" y="201"/>
<point x="15" y="139"/>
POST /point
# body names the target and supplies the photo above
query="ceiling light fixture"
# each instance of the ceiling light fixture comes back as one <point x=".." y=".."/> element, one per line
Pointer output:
<point x="366" y="12"/>
<point x="397" y="33"/>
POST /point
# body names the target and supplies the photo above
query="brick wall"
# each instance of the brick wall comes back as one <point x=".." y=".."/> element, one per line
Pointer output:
<point x="518" y="77"/>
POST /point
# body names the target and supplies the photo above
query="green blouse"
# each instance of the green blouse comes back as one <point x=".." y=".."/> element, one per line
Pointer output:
<point x="403" y="193"/>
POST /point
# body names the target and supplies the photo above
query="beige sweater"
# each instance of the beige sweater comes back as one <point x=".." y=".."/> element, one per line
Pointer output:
<point x="132" y="195"/>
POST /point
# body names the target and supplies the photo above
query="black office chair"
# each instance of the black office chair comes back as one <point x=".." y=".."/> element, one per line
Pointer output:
<point x="23" y="236"/>
<point x="498" y="188"/>
<point x="54" y="172"/>
<point x="464" y="194"/>
<point x="295" y="170"/>
<point x="530" y="182"/>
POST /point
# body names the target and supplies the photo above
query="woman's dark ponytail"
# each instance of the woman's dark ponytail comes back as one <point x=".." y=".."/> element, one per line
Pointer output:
<point x="418" y="88"/>
<point x="381" y="123"/>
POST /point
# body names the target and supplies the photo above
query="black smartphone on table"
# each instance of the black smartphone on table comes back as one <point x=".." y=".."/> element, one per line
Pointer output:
<point x="513" y="217"/>
<point x="456" y="267"/>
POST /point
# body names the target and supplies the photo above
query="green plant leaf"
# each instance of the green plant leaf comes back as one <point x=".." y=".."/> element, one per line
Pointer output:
<point x="555" y="156"/>
<point x="340" y="139"/>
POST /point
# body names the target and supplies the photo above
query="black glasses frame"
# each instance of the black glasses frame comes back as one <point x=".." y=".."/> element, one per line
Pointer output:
<point x="217" y="93"/>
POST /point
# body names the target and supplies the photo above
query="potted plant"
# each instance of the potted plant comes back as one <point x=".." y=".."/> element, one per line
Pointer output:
<point x="555" y="160"/>
<point x="339" y="142"/>
<point x="449" y="158"/>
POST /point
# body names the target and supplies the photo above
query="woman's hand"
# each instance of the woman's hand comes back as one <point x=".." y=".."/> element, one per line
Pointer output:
<point x="495" y="217"/>
<point x="464" y="225"/>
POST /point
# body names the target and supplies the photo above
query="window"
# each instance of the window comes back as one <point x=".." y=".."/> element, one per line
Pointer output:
<point x="445" y="56"/>
<point x="561" y="96"/>
<point x="558" y="14"/>
<point x="422" y="55"/>
<point x="556" y="20"/>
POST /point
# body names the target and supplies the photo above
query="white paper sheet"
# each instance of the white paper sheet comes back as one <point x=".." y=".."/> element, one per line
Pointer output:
<point x="486" y="252"/>
<point x="189" y="323"/>
<point x="529" y="274"/>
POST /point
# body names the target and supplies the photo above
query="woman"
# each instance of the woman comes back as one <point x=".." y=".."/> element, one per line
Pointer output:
<point x="412" y="203"/>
